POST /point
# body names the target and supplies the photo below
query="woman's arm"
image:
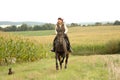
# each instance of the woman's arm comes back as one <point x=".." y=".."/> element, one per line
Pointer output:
<point x="55" y="29"/>
<point x="66" y="29"/>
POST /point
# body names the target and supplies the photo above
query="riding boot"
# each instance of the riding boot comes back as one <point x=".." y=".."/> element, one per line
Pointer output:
<point x="68" y="43"/>
<point x="69" y="48"/>
<point x="53" y="50"/>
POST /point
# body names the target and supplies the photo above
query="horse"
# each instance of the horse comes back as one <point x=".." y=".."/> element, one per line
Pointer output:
<point x="61" y="50"/>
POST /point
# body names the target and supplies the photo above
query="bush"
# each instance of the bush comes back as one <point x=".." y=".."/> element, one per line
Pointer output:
<point x="113" y="47"/>
<point x="88" y="49"/>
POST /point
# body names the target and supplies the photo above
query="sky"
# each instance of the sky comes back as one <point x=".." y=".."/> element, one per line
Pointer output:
<point x="70" y="10"/>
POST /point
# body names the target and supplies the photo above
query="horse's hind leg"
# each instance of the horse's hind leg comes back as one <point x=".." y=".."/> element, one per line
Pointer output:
<point x="56" y="57"/>
<point x="66" y="61"/>
<point x="63" y="60"/>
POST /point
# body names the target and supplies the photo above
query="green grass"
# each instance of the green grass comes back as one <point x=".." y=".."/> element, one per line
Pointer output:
<point x="34" y="33"/>
<point x="79" y="68"/>
<point x="95" y="67"/>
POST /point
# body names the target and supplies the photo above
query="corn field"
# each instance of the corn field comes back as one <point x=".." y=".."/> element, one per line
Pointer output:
<point x="19" y="49"/>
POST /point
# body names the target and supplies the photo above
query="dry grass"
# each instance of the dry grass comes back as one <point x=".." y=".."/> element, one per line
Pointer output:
<point x="94" y="35"/>
<point x="85" y="40"/>
<point x="85" y="35"/>
<point x="113" y="64"/>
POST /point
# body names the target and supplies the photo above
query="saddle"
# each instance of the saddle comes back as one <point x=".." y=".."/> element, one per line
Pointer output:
<point x="66" y="40"/>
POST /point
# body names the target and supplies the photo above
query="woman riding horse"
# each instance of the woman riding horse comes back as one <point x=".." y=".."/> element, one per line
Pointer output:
<point x="61" y="26"/>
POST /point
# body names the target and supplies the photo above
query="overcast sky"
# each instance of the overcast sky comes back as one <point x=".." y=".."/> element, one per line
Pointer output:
<point x="69" y="10"/>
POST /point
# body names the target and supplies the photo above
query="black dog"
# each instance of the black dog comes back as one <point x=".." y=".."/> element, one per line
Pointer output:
<point x="10" y="71"/>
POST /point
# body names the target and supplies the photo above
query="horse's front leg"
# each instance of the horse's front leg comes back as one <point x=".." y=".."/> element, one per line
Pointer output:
<point x="56" y="57"/>
<point x="66" y="54"/>
<point x="59" y="57"/>
<point x="66" y="61"/>
<point x="61" y="62"/>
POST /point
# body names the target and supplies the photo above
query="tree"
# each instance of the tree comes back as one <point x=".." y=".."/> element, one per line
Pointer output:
<point x="10" y="28"/>
<point x="24" y="27"/>
<point x="48" y="26"/>
<point x="116" y="22"/>
<point x="7" y="28"/>
<point x="108" y="24"/>
<point x="37" y="27"/>
<point x="1" y="28"/>
<point x="74" y="24"/>
<point x="13" y="28"/>
<point x="98" y="24"/>
<point x="30" y="28"/>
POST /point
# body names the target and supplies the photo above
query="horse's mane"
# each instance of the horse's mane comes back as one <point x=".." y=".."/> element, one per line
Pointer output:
<point x="60" y="47"/>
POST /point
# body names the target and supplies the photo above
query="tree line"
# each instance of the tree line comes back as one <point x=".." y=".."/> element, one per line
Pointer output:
<point x="25" y="27"/>
<point x="49" y="26"/>
<point x="117" y="22"/>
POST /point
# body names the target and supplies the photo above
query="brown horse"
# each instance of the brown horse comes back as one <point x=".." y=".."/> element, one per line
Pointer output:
<point x="61" y="50"/>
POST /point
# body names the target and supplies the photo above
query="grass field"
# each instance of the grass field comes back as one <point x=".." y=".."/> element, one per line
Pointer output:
<point x="95" y="67"/>
<point x="34" y="33"/>
<point x="83" y="40"/>
<point x="78" y="35"/>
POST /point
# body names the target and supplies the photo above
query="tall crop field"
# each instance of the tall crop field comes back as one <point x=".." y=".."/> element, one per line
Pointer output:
<point x="19" y="49"/>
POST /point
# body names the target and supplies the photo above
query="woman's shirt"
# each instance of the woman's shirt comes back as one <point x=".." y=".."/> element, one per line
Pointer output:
<point x="66" y="29"/>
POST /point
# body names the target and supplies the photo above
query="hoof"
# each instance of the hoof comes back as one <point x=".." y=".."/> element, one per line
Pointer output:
<point x="57" y="68"/>
<point x="65" y="67"/>
<point x="61" y="68"/>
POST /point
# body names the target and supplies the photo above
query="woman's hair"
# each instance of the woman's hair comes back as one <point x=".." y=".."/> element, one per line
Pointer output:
<point x="60" y="19"/>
